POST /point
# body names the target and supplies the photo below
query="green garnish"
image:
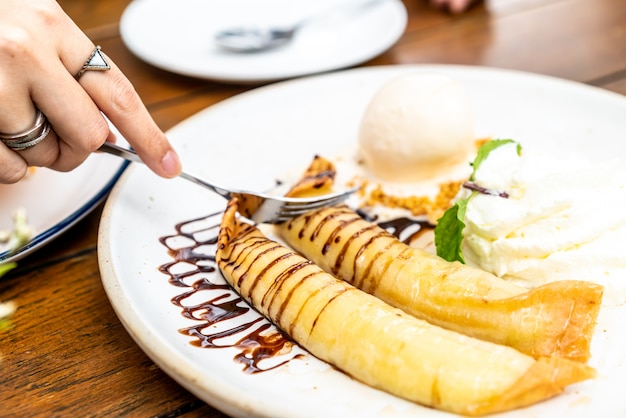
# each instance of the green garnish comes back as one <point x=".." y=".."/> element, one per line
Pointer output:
<point x="484" y="151"/>
<point x="449" y="229"/>
<point x="449" y="232"/>
<point x="21" y="233"/>
<point x="5" y="267"/>
<point x="14" y="239"/>
<point x="6" y="308"/>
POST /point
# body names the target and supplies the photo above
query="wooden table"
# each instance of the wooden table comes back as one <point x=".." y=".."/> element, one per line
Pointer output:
<point x="67" y="353"/>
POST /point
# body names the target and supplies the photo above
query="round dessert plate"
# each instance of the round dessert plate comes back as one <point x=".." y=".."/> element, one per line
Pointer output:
<point x="153" y="283"/>
<point x="177" y="36"/>
<point x="55" y="201"/>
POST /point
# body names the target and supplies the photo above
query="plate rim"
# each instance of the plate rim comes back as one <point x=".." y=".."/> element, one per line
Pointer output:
<point x="48" y="235"/>
<point x="112" y="287"/>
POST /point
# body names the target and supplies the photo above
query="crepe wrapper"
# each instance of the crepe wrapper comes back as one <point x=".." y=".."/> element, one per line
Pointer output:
<point x="376" y="343"/>
<point x="556" y="319"/>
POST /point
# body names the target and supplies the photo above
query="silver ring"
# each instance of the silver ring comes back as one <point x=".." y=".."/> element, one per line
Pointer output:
<point x="30" y="137"/>
<point x="95" y="62"/>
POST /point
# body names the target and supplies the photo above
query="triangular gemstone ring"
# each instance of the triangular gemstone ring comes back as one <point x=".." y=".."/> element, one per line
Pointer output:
<point x="95" y="62"/>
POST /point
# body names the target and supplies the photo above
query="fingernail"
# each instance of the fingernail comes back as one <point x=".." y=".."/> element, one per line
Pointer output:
<point x="171" y="164"/>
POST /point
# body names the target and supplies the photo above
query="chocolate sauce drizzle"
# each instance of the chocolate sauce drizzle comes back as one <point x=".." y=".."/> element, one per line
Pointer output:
<point x="405" y="229"/>
<point x="222" y="315"/>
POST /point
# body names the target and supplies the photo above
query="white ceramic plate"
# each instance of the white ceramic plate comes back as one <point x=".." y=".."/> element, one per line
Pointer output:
<point x="178" y="36"/>
<point x="257" y="137"/>
<point x="55" y="201"/>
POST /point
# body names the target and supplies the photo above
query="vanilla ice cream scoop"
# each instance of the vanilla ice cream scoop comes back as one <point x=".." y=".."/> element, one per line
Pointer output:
<point x="416" y="127"/>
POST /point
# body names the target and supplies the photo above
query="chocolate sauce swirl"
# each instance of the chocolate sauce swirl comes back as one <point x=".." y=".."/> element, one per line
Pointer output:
<point x="222" y="315"/>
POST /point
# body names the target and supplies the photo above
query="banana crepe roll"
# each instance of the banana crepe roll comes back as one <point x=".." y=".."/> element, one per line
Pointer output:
<point x="376" y="343"/>
<point x="556" y="319"/>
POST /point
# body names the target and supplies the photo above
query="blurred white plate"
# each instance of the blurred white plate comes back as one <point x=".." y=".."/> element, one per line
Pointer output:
<point x="178" y="36"/>
<point x="241" y="141"/>
<point x="55" y="201"/>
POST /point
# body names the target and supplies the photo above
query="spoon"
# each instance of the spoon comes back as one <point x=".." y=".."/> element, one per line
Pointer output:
<point x="255" y="39"/>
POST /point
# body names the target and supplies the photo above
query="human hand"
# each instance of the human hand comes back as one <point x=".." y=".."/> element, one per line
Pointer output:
<point x="41" y="50"/>
<point x="455" y="6"/>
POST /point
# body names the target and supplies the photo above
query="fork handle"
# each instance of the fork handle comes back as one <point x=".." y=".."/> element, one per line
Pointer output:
<point x="125" y="153"/>
<point x="130" y="155"/>
<point x="222" y="192"/>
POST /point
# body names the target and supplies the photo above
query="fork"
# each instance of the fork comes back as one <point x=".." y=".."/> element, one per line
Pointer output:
<point x="258" y="207"/>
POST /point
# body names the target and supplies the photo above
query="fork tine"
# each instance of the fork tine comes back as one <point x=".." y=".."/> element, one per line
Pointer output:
<point x="322" y="201"/>
<point x="276" y="210"/>
<point x="295" y="211"/>
<point x="311" y="205"/>
<point x="316" y="204"/>
<point x="290" y="211"/>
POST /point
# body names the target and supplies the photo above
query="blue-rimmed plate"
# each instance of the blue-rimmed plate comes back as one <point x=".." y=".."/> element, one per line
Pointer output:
<point x="55" y="201"/>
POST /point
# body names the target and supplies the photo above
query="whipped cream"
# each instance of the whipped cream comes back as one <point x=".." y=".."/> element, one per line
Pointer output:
<point x="565" y="219"/>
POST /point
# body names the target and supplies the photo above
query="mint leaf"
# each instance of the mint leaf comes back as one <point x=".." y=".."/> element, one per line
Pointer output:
<point x="449" y="232"/>
<point x="4" y="268"/>
<point x="484" y="151"/>
<point x="449" y="229"/>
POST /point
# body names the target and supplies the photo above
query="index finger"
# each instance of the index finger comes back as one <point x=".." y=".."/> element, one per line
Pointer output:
<point x="116" y="97"/>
